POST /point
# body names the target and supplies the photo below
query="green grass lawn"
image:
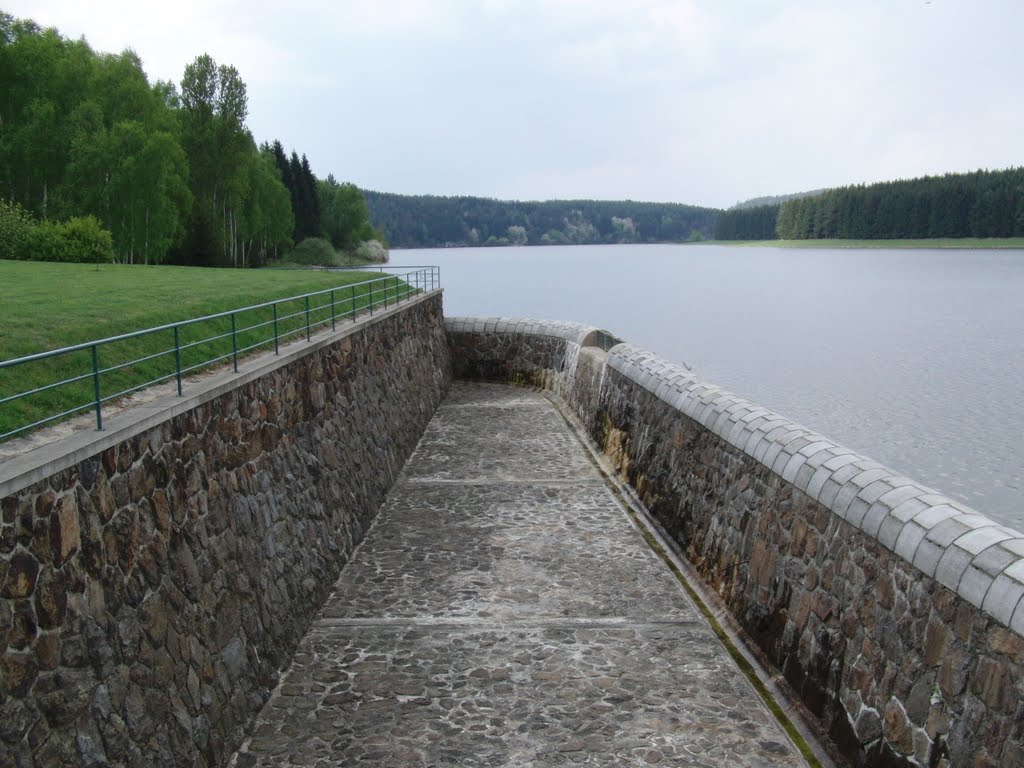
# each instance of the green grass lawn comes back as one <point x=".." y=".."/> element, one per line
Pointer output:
<point x="934" y="242"/>
<point x="46" y="306"/>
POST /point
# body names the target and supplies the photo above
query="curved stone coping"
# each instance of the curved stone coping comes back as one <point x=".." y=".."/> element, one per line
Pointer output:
<point x="981" y="560"/>
<point x="971" y="554"/>
<point x="574" y="332"/>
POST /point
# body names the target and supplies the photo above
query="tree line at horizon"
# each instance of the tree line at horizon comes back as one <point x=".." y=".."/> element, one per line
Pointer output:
<point x="92" y="155"/>
<point x="431" y="221"/>
<point x="979" y="204"/>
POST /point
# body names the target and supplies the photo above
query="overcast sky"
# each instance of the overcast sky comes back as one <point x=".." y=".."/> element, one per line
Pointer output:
<point x="696" y="101"/>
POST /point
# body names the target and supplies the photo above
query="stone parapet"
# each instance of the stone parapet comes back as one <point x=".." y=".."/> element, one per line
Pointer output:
<point x="895" y="613"/>
<point x="155" y="577"/>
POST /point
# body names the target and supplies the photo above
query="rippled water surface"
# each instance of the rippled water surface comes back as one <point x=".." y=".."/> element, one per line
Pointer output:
<point x="914" y="357"/>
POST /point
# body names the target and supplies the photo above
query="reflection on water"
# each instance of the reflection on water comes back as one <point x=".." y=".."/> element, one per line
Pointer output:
<point x="913" y="357"/>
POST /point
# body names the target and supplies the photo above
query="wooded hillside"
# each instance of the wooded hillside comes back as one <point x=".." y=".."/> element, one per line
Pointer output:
<point x="427" y="221"/>
<point x="980" y="204"/>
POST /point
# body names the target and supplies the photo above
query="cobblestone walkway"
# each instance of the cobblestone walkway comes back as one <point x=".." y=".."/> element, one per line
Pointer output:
<point x="503" y="611"/>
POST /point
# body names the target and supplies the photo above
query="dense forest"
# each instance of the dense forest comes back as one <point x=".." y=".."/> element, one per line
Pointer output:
<point x="775" y="200"/>
<point x="979" y="204"/>
<point x="756" y="223"/>
<point x="97" y="163"/>
<point x="426" y="221"/>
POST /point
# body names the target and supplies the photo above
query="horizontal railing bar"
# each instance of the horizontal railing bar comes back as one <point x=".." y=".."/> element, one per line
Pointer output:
<point x="130" y="363"/>
<point x="56" y="384"/>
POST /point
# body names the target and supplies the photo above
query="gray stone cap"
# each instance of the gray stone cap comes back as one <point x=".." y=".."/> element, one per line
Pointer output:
<point x="574" y="332"/>
<point x="981" y="560"/>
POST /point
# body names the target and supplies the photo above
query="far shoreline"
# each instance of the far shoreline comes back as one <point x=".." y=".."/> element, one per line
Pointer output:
<point x="951" y="243"/>
<point x="931" y="243"/>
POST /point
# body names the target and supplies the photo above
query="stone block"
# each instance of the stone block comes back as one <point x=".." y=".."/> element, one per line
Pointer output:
<point x="927" y="556"/>
<point x="872" y="520"/>
<point x="856" y="511"/>
<point x="896" y="727"/>
<point x="780" y="431"/>
<point x="795" y="439"/>
<point x="867" y="477"/>
<point x="828" y="492"/>
<point x="889" y="531"/>
<point x="909" y="539"/>
<point x="762" y="448"/>
<point x="722" y="425"/>
<point x="815" y="447"/>
<point x="909" y="509"/>
<point x="994" y="560"/>
<point x="982" y="538"/>
<point x="772" y="454"/>
<point x="792" y="467"/>
<point x="781" y="460"/>
<point x="951" y="567"/>
<point x="974" y="585"/>
<point x="1015" y="544"/>
<point x="931" y="517"/>
<point x="845" y="498"/>
<point x="803" y="476"/>
<point x="875" y="491"/>
<point x="738" y="434"/>
<point x="1003" y="598"/>
<point x="845" y="473"/>
<point x="756" y="412"/>
<point x="947" y="531"/>
<point x="22" y="573"/>
<point x="868" y="726"/>
<point x="1015" y="571"/>
<point x="842" y="460"/>
<point x="756" y="436"/>
<point x="64" y="533"/>
<point x="817" y="481"/>
<point x="1017" y="622"/>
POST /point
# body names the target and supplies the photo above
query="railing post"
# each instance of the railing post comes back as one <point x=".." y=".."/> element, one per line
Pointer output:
<point x="385" y="290"/>
<point x="370" y="290"/>
<point x="352" y="288"/>
<point x="308" y="337"/>
<point x="177" y="356"/>
<point x="277" y="348"/>
<point x="333" y="326"/>
<point x="234" y="342"/>
<point x="96" y="387"/>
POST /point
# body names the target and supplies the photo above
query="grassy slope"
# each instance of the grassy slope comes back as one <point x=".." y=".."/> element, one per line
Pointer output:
<point x="938" y="242"/>
<point x="46" y="306"/>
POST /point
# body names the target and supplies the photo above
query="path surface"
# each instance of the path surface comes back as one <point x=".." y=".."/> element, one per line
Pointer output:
<point x="503" y="611"/>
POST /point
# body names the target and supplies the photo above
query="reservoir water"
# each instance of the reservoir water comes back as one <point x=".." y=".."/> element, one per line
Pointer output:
<point x="914" y="357"/>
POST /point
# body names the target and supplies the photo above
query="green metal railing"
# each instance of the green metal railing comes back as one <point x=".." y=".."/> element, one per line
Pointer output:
<point x="84" y="376"/>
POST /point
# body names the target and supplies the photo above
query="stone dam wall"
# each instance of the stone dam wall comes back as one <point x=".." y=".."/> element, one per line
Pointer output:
<point x="154" y="577"/>
<point x="894" y="613"/>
